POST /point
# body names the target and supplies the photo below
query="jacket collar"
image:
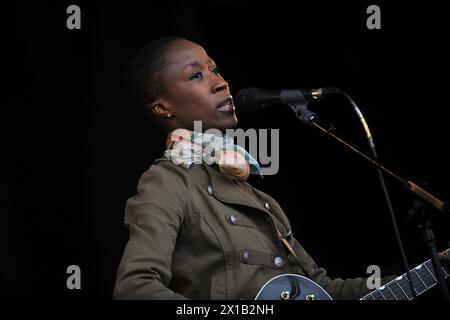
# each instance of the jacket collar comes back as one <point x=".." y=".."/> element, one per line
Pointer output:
<point x="223" y="188"/>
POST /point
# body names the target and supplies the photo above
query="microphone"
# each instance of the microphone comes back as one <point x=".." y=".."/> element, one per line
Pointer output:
<point x="253" y="97"/>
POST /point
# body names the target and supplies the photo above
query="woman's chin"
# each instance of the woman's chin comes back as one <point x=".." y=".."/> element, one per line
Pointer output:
<point x="230" y="123"/>
<point x="226" y="123"/>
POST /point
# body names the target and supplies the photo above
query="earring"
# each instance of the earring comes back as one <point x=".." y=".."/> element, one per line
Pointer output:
<point x="169" y="115"/>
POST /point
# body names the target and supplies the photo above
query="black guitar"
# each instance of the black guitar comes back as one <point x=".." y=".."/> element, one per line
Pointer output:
<point x="297" y="287"/>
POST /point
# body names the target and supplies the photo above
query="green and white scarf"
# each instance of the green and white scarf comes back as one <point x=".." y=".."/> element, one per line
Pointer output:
<point x="185" y="147"/>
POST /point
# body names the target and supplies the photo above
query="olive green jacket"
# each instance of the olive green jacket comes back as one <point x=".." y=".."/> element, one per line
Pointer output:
<point x="197" y="234"/>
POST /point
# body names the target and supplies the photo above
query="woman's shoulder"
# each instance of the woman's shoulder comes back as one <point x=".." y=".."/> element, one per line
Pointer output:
<point x="164" y="173"/>
<point x="163" y="166"/>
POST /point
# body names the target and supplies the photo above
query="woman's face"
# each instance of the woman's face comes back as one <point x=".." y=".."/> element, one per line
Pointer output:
<point x="195" y="91"/>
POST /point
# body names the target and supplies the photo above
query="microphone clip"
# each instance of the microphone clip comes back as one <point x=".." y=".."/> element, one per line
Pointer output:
<point x="302" y="112"/>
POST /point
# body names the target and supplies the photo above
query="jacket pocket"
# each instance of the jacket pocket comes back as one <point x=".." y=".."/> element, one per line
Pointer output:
<point x="241" y="220"/>
<point x="254" y="257"/>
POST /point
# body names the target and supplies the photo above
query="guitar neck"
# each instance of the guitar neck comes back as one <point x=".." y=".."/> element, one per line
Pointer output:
<point x="422" y="276"/>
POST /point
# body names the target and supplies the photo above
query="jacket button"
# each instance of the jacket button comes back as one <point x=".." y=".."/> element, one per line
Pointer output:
<point x="210" y="189"/>
<point x="246" y="257"/>
<point x="233" y="219"/>
<point x="266" y="205"/>
<point x="279" y="262"/>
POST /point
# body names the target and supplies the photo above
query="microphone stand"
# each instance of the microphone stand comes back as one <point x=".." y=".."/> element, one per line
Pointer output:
<point x="422" y="218"/>
<point x="310" y="118"/>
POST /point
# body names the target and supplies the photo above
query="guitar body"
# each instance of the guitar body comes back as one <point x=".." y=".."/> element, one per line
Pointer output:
<point x="297" y="287"/>
<point x="292" y="287"/>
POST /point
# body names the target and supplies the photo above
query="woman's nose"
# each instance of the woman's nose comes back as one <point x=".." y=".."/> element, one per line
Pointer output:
<point x="219" y="85"/>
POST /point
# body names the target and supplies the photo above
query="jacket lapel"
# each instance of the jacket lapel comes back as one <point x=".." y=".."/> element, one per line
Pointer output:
<point x="224" y="189"/>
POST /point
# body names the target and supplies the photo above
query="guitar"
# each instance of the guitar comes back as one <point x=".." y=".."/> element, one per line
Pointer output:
<point x="297" y="287"/>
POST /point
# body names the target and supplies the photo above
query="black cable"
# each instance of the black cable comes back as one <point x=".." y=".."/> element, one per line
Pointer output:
<point x="385" y="191"/>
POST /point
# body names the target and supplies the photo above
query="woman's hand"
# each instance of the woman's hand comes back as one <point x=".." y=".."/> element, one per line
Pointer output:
<point x="445" y="258"/>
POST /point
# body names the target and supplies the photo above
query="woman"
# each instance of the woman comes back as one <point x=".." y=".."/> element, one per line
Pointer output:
<point x="198" y="230"/>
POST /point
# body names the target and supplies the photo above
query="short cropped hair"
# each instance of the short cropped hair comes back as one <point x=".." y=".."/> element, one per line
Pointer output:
<point x="147" y="71"/>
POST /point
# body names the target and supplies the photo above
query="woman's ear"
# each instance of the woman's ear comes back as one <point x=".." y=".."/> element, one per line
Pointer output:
<point x="160" y="109"/>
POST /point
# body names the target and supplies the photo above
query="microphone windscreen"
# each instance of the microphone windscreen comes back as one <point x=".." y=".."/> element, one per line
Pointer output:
<point x="251" y="98"/>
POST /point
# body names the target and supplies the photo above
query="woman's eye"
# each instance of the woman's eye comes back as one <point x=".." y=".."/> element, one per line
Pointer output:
<point x="216" y="70"/>
<point x="197" y="75"/>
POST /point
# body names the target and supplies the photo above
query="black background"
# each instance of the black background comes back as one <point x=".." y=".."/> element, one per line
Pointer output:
<point x="76" y="146"/>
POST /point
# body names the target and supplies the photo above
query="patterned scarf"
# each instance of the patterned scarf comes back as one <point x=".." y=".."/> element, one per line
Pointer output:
<point x="185" y="147"/>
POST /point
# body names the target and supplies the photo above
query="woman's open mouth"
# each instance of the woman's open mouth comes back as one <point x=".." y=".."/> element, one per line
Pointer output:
<point x="227" y="105"/>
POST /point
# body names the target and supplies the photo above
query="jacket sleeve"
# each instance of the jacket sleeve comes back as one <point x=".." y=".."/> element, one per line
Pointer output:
<point x="338" y="289"/>
<point x="153" y="217"/>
